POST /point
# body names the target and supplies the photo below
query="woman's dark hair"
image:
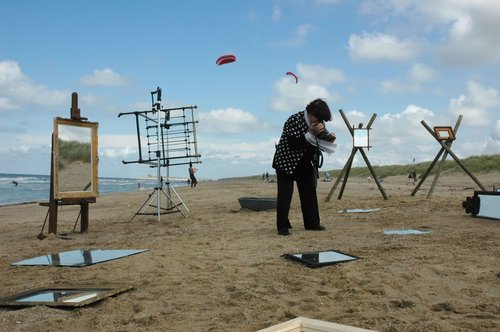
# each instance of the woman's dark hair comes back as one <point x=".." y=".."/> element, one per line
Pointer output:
<point x="319" y="108"/>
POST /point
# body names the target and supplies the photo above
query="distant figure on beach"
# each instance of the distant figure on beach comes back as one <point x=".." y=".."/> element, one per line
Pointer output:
<point x="192" y="170"/>
<point x="294" y="162"/>
<point x="138" y="185"/>
<point x="15" y="183"/>
<point x="413" y="176"/>
<point x="267" y="176"/>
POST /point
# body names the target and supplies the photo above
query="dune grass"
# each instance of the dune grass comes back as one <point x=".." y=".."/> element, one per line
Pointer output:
<point x="476" y="164"/>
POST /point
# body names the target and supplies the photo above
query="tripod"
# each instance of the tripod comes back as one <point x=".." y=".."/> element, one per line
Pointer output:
<point x="156" y="194"/>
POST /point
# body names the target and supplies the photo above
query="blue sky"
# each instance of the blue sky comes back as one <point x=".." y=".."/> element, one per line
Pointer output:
<point x="404" y="60"/>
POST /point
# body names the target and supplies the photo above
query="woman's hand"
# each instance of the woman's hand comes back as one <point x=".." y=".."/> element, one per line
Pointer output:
<point x="316" y="128"/>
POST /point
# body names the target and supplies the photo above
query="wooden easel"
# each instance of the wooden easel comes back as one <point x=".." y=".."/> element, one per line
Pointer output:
<point x="446" y="148"/>
<point x="347" y="168"/>
<point x="55" y="202"/>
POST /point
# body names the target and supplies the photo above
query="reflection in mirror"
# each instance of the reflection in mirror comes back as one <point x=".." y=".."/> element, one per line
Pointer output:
<point x="407" y="232"/>
<point x="443" y="134"/>
<point x="75" y="159"/>
<point x="321" y="258"/>
<point x="62" y="296"/>
<point x="79" y="258"/>
<point x="75" y="167"/>
<point x="489" y="206"/>
<point x="361" y="139"/>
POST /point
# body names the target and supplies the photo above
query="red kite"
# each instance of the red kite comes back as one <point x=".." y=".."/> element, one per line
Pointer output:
<point x="228" y="58"/>
<point x="295" y="76"/>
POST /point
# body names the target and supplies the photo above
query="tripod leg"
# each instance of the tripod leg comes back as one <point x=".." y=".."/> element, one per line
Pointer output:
<point x="146" y="203"/>
<point x="172" y="202"/>
<point x="176" y="194"/>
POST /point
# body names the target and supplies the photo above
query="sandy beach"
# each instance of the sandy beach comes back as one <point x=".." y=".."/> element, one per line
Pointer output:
<point x="220" y="268"/>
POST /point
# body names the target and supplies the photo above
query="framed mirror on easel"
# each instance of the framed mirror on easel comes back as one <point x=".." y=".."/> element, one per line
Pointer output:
<point x="75" y="159"/>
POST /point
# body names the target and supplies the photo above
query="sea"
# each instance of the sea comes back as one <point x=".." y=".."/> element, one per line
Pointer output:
<point x="27" y="188"/>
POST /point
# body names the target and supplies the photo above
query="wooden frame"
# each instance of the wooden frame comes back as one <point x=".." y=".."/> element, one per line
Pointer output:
<point x="303" y="324"/>
<point x="444" y="133"/>
<point x="84" y="181"/>
<point x="80" y="295"/>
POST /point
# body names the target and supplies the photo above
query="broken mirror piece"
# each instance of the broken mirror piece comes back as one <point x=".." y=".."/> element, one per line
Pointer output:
<point x="321" y="258"/>
<point x="407" y="232"/>
<point x="79" y="258"/>
<point x="62" y="296"/>
<point x="360" y="210"/>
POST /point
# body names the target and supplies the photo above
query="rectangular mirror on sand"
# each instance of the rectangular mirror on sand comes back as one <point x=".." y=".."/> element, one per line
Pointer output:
<point x="78" y="258"/>
<point x="407" y="232"/>
<point x="62" y="296"/>
<point x="321" y="258"/>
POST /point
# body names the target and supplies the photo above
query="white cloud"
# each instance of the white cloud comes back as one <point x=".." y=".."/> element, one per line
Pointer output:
<point x="416" y="77"/>
<point x="299" y="38"/>
<point x="493" y="143"/>
<point x="229" y="121"/>
<point x="17" y="89"/>
<point x="236" y="157"/>
<point x="422" y="73"/>
<point x="402" y="133"/>
<point x="468" y="30"/>
<point x="381" y="47"/>
<point x="104" y="77"/>
<point x="314" y="82"/>
<point x="478" y="105"/>
<point x="121" y="146"/>
<point x="320" y="75"/>
<point x="473" y="36"/>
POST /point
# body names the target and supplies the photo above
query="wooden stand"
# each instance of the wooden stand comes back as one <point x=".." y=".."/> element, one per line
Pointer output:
<point x="446" y="148"/>
<point x="54" y="201"/>
<point x="347" y="168"/>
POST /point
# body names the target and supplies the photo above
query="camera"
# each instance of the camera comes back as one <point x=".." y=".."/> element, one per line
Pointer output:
<point x="326" y="135"/>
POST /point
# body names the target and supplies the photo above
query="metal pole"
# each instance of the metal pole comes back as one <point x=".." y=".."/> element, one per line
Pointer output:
<point x="158" y="174"/>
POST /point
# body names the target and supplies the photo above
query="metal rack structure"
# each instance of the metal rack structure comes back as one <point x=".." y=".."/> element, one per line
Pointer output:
<point x="169" y="140"/>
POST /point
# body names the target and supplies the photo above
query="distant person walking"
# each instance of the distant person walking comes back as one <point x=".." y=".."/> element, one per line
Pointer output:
<point x="192" y="170"/>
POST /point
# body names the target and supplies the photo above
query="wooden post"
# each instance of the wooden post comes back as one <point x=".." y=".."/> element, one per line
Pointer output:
<point x="84" y="215"/>
<point x="452" y="154"/>
<point x="441" y="163"/>
<point x="52" y="201"/>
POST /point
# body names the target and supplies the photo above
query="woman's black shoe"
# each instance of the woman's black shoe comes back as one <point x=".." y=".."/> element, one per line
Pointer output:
<point x="284" y="231"/>
<point x="317" y="228"/>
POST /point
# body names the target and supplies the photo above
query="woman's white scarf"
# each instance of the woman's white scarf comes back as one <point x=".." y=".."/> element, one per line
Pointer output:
<point x="325" y="146"/>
